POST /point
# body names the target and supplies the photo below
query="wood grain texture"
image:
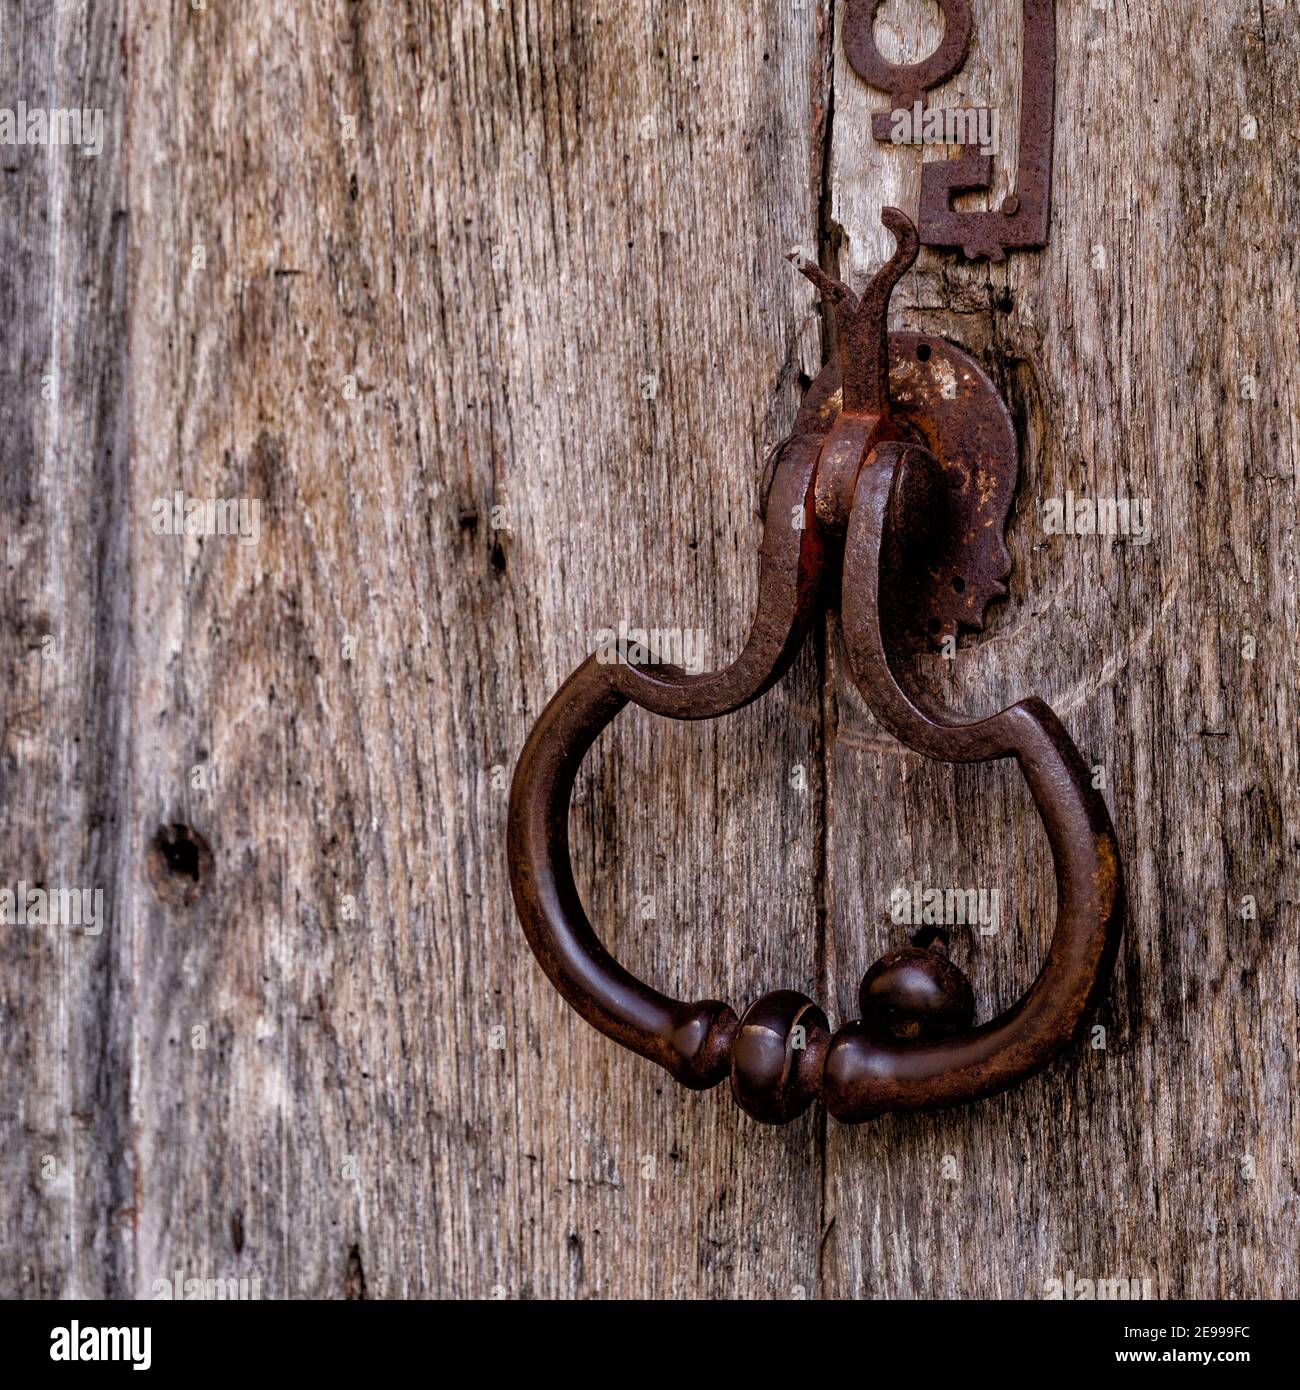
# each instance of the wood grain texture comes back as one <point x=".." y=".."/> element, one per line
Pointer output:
<point x="66" y="1166"/>
<point x="1149" y="352"/>
<point x="494" y="321"/>
<point x="485" y="305"/>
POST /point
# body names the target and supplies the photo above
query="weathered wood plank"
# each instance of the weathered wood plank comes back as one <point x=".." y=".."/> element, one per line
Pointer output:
<point x="484" y="306"/>
<point x="66" y="1165"/>
<point x="1149" y="352"/>
<point x="494" y="322"/>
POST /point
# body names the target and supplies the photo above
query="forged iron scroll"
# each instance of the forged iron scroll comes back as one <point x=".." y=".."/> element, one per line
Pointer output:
<point x="1021" y="223"/>
<point x="906" y="83"/>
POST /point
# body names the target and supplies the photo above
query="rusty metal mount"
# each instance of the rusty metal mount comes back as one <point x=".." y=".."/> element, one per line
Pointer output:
<point x="940" y="397"/>
<point x="917" y="387"/>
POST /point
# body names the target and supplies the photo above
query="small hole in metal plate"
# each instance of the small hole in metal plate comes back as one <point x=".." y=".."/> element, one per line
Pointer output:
<point x="923" y="352"/>
<point x="958" y="584"/>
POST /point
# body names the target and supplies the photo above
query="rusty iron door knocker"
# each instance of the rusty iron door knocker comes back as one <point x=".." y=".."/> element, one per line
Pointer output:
<point x="902" y="465"/>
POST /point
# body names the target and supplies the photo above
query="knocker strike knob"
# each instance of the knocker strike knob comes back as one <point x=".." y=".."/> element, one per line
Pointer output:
<point x="916" y="993"/>
<point x="903" y="465"/>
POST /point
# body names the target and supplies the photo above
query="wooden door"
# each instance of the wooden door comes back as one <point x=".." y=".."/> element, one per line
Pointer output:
<point x="486" y="305"/>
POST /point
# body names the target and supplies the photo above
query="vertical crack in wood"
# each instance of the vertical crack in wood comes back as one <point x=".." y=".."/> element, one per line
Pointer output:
<point x="823" y="114"/>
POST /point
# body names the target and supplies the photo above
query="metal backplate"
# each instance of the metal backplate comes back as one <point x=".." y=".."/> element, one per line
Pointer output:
<point x="941" y="397"/>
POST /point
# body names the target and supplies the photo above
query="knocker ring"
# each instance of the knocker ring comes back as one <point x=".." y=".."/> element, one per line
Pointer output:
<point x="902" y="465"/>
